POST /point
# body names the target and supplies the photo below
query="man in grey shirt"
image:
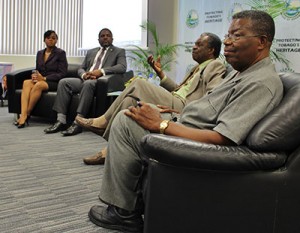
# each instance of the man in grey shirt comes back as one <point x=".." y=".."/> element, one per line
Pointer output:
<point x="224" y="116"/>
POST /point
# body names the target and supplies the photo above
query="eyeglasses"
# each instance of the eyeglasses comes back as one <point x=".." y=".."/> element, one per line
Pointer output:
<point x="234" y="38"/>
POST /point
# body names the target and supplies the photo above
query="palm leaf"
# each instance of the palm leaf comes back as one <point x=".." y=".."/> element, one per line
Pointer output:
<point x="151" y="27"/>
<point x="165" y="51"/>
<point x="275" y="9"/>
<point x="142" y="51"/>
<point x="272" y="7"/>
<point x="278" y="57"/>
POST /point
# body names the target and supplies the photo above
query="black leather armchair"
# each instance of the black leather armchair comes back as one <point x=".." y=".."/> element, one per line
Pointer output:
<point x="254" y="188"/>
<point x="108" y="83"/>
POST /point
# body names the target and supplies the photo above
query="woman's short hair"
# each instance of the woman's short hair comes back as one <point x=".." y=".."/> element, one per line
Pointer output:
<point x="48" y="33"/>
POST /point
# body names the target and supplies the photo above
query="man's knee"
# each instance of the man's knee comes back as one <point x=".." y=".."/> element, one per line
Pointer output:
<point x="129" y="100"/>
<point x="89" y="84"/>
<point x="62" y="83"/>
<point x="138" y="83"/>
<point x="120" y="120"/>
<point x="121" y="115"/>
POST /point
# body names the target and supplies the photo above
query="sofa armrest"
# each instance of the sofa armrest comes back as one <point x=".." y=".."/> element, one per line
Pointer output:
<point x="114" y="82"/>
<point x="15" y="82"/>
<point x="181" y="152"/>
<point x="15" y="79"/>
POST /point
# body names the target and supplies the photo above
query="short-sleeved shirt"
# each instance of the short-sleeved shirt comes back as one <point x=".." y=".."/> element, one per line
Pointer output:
<point x="238" y="103"/>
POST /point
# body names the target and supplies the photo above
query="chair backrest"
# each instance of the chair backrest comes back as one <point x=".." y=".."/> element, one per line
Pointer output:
<point x="280" y="129"/>
<point x="127" y="76"/>
<point x="73" y="70"/>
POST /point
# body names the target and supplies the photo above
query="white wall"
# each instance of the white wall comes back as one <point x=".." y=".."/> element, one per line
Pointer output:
<point x="165" y="15"/>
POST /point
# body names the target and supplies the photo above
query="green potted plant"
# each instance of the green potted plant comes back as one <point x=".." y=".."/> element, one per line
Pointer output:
<point x="138" y="56"/>
<point x="275" y="9"/>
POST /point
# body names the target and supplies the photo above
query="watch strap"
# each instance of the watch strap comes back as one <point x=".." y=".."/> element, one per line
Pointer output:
<point x="163" y="125"/>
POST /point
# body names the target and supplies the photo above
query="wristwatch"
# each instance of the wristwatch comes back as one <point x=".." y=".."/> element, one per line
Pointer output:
<point x="163" y="125"/>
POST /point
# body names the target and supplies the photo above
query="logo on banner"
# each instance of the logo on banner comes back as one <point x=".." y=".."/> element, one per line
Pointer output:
<point x="192" y="19"/>
<point x="292" y="9"/>
<point x="236" y="7"/>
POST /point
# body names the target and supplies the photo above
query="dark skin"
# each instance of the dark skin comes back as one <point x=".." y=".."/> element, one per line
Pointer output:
<point x="105" y="40"/>
<point x="150" y="119"/>
<point x="50" y="44"/>
<point x="201" y="52"/>
<point x="246" y="51"/>
<point x="241" y="54"/>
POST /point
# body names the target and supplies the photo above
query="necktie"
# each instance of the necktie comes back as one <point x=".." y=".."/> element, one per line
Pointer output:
<point x="96" y="67"/>
<point x="190" y="76"/>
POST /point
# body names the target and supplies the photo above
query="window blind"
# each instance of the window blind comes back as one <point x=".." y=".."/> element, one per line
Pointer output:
<point x="23" y="23"/>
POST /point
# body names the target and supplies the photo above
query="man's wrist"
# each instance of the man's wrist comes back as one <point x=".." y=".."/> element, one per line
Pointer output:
<point x="161" y="75"/>
<point x="163" y="126"/>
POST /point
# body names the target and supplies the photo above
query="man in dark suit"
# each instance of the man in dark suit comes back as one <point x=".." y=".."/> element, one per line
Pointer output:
<point x="98" y="62"/>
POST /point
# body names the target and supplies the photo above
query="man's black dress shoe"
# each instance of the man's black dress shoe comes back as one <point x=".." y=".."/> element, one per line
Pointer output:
<point x="58" y="126"/>
<point x="111" y="218"/>
<point x="72" y="130"/>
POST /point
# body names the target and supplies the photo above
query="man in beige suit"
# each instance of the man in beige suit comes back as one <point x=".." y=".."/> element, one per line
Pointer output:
<point x="206" y="75"/>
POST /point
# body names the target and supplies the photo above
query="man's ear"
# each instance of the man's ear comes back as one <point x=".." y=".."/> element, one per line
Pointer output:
<point x="211" y="52"/>
<point x="263" y="42"/>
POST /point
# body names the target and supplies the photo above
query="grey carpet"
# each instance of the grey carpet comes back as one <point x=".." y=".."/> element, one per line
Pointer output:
<point x="44" y="185"/>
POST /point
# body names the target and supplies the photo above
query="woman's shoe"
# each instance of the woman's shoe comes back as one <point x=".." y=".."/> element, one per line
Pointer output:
<point x="20" y="126"/>
<point x="16" y="123"/>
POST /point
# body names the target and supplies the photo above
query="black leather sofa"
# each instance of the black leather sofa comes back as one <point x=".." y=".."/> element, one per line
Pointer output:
<point x="254" y="188"/>
<point x="106" y="84"/>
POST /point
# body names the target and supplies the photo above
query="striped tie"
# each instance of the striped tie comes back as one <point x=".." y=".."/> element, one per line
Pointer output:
<point x="99" y="59"/>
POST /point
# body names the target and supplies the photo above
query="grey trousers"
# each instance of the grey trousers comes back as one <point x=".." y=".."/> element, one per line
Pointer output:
<point x="123" y="165"/>
<point x="68" y="87"/>
<point x="144" y="91"/>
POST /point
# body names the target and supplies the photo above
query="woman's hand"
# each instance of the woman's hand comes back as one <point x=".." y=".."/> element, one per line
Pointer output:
<point x="36" y="77"/>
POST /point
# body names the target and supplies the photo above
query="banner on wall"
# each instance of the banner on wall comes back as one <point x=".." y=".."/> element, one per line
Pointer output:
<point x="196" y="17"/>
